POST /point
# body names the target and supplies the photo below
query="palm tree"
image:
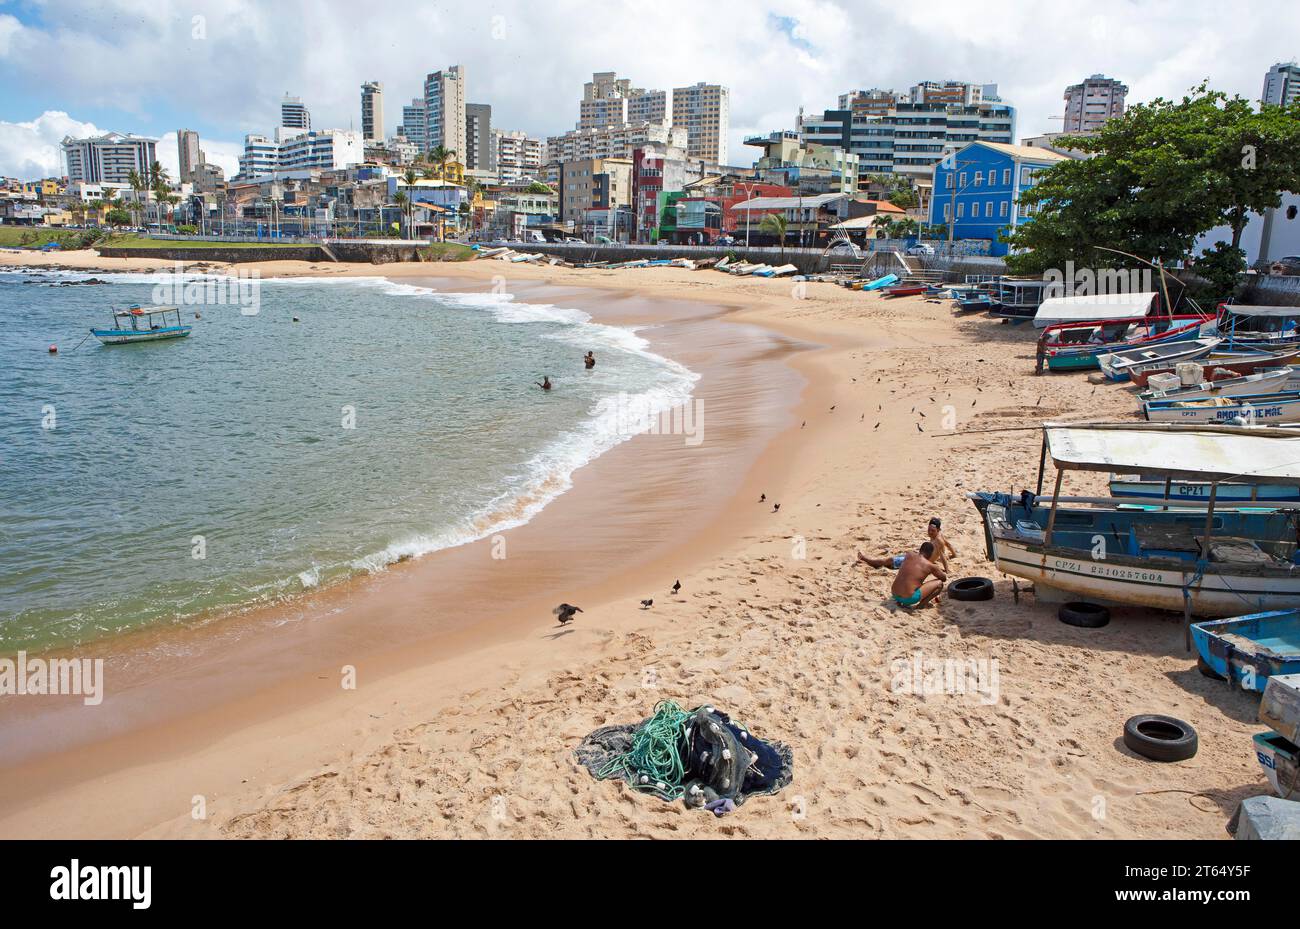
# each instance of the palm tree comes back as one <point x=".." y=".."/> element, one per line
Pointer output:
<point x="410" y="176"/>
<point x="403" y="201"/>
<point x="775" y="224"/>
<point x="137" y="183"/>
<point x="440" y="155"/>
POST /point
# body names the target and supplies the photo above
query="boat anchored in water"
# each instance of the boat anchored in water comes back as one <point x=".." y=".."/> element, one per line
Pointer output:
<point x="140" y="324"/>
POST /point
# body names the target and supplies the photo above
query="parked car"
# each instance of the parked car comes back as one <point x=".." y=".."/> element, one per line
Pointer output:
<point x="921" y="248"/>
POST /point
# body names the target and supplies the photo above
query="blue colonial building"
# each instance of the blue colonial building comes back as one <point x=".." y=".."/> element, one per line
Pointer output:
<point x="977" y="189"/>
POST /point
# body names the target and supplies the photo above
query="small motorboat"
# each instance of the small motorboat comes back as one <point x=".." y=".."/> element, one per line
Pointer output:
<point x="140" y="324"/>
<point x="1250" y="649"/>
<point x="1138" y="364"/>
<point x="907" y="290"/>
<point x="1270" y="380"/>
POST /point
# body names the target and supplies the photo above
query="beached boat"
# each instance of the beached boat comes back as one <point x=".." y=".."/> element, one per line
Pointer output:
<point x="1144" y="486"/>
<point x="1250" y="409"/>
<point x="1250" y="649"/>
<point x="1270" y="380"/>
<point x="1055" y="311"/>
<point x="1205" y="559"/>
<point x="1137" y="364"/>
<point x="880" y="282"/>
<point x="1076" y="346"/>
<point x="906" y="290"/>
<point x="1220" y="364"/>
<point x="1259" y="328"/>
<point x="974" y="303"/>
<point x="1018" y="299"/>
<point x="138" y="324"/>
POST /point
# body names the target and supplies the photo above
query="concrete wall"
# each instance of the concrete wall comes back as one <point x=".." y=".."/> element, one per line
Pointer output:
<point x="180" y="253"/>
<point x="1274" y="290"/>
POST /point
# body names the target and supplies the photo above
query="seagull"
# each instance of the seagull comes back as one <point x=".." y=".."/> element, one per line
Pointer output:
<point x="762" y="498"/>
<point x="564" y="612"/>
<point x="875" y="427"/>
<point x="646" y="604"/>
<point x="918" y="428"/>
<point x="776" y="508"/>
<point x="832" y="409"/>
<point x="677" y="585"/>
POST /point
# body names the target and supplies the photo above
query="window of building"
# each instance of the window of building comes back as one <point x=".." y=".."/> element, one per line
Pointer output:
<point x="1004" y="209"/>
<point x="949" y="181"/>
<point x="979" y="178"/>
<point x="1006" y="177"/>
<point x="961" y="180"/>
<point x="961" y="210"/>
<point x="988" y="209"/>
<point x="975" y="210"/>
<point x="947" y="212"/>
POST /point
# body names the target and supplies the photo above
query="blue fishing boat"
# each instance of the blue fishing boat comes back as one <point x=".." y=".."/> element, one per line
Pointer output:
<point x="1258" y="328"/>
<point x="1250" y="649"/>
<point x="140" y="324"/>
<point x="1204" y="558"/>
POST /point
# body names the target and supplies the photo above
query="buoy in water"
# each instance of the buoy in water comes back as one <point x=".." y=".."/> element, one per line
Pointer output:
<point x="295" y="319"/>
<point x="54" y="349"/>
<point x="198" y="315"/>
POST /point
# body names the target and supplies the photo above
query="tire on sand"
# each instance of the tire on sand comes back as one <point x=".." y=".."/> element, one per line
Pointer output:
<point x="1083" y="615"/>
<point x="970" y="589"/>
<point x="1160" y="738"/>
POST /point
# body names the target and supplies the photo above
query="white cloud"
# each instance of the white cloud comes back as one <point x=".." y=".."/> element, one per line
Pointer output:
<point x="10" y="27"/>
<point x="31" y="150"/>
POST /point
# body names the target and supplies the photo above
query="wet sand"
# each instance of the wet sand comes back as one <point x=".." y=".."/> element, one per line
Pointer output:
<point x="469" y="692"/>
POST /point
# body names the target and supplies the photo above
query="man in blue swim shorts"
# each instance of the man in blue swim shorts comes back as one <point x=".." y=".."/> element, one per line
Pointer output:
<point x="913" y="585"/>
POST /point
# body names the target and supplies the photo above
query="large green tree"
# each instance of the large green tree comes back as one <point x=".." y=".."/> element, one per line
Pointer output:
<point x="1159" y="177"/>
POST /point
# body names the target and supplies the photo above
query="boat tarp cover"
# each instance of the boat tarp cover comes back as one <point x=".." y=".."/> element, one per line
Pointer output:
<point x="1093" y="307"/>
<point x="1258" y="455"/>
<point x="1284" y="311"/>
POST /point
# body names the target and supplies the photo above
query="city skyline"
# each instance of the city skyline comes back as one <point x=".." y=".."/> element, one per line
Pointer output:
<point x="779" y="57"/>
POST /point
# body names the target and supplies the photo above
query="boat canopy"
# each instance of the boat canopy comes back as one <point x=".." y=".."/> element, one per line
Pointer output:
<point x="1092" y="308"/>
<point x="1205" y="453"/>
<point x="1278" y="311"/>
<point x="146" y="311"/>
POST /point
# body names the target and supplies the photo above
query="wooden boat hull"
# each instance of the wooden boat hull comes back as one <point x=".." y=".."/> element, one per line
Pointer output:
<point x="1250" y="649"/>
<point x="904" y="291"/>
<point x="1161" y="583"/>
<point x="1082" y="356"/>
<point x="1163" y="358"/>
<point x="127" y="336"/>
<point x="1268" y="410"/>
<point x="1280" y="760"/>
<point x="1219" y="365"/>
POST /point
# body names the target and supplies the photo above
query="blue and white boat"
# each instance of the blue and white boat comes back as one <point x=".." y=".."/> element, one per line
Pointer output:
<point x="1248" y="650"/>
<point x="1145" y="487"/>
<point x="1251" y="409"/>
<point x="141" y="324"/>
<point x="1206" y="558"/>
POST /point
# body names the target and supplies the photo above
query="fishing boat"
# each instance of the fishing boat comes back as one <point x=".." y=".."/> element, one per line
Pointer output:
<point x="1250" y="409"/>
<point x="1018" y="299"/>
<point x="1055" y="311"/>
<point x="1220" y="364"/>
<point x="1250" y="649"/>
<point x="1204" y="558"/>
<point x="1137" y="364"/>
<point x="1270" y="380"/>
<point x="974" y="303"/>
<point x="905" y="290"/>
<point x="1259" y="328"/>
<point x="1142" y="487"/>
<point x="138" y="324"/>
<point x="880" y="282"/>
<point x="1076" y="346"/>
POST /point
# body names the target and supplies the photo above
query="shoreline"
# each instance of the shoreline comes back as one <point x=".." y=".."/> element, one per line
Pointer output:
<point x="792" y="638"/>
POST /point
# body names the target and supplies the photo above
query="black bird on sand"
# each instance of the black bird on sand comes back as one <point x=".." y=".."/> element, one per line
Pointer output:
<point x="646" y="604"/>
<point x="677" y="585"/>
<point x="564" y="612"/>
<point x="762" y="498"/>
<point x="777" y="508"/>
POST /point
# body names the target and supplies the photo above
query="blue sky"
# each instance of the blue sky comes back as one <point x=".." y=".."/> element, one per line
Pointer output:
<point x="221" y="66"/>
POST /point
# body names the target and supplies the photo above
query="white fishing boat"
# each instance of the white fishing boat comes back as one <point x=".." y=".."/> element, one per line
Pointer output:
<point x="1144" y="487"/>
<point x="1205" y="558"/>
<point x="1270" y="380"/>
<point x="1248" y="410"/>
<point x="1138" y="362"/>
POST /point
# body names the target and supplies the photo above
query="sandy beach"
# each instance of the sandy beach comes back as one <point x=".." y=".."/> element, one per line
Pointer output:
<point x="862" y="418"/>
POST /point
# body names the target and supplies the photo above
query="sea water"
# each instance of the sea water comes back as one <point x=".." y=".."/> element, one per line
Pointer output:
<point x="261" y="458"/>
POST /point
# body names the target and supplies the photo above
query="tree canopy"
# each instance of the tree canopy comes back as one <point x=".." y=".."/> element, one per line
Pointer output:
<point x="1161" y="176"/>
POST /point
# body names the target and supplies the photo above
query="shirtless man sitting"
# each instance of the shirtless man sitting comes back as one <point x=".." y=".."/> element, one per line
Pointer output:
<point x="911" y="587"/>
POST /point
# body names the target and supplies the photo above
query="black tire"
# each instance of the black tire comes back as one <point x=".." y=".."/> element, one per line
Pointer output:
<point x="1160" y="738"/>
<point x="1204" y="667"/>
<point x="1083" y="615"/>
<point x="971" y="588"/>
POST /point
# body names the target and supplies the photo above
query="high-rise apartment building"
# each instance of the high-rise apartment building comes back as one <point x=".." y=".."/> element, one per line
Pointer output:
<point x="1089" y="105"/>
<point x="517" y="155"/>
<point x="704" y="111"/>
<point x="108" y="158"/>
<point x="612" y="141"/>
<point x="480" y="154"/>
<point x="444" y="111"/>
<point x="414" y="125"/>
<point x="190" y="155"/>
<point x="293" y="114"/>
<point x="911" y="137"/>
<point x="874" y="102"/>
<point x="1281" y="84"/>
<point x="315" y="149"/>
<point x="372" y="111"/>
